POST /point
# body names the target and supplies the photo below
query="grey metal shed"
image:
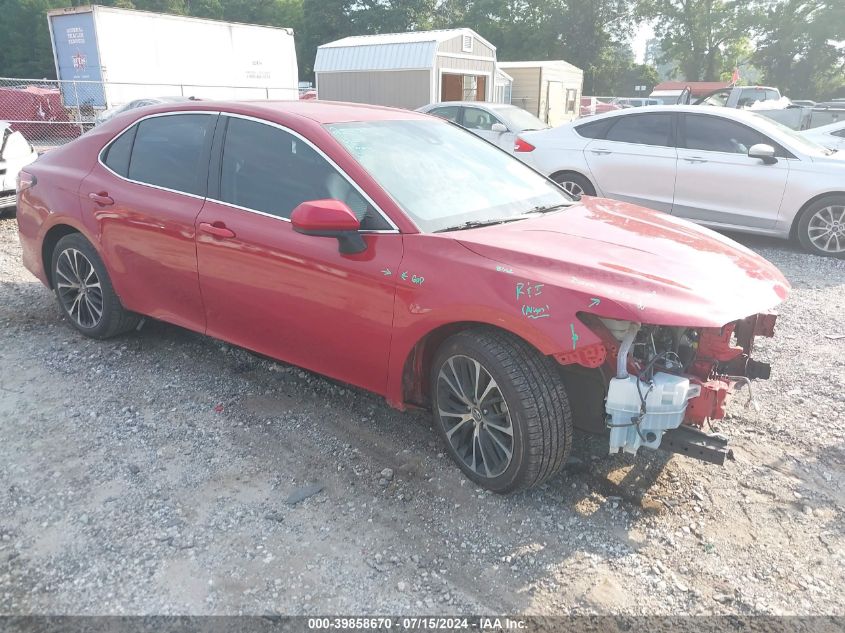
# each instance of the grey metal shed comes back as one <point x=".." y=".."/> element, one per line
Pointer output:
<point x="407" y="70"/>
<point x="550" y="90"/>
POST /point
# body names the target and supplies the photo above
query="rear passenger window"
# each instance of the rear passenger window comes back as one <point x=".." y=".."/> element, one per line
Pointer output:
<point x="643" y="129"/>
<point x="594" y="129"/>
<point x="117" y="154"/>
<point x="269" y="170"/>
<point x="169" y="152"/>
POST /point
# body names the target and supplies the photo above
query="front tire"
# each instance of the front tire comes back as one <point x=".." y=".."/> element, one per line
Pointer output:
<point x="84" y="290"/>
<point x="821" y="228"/>
<point x="501" y="409"/>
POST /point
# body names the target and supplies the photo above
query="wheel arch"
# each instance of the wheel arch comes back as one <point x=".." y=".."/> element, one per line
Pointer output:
<point x="48" y="245"/>
<point x="417" y="368"/>
<point x="793" y="230"/>
<point x="417" y="363"/>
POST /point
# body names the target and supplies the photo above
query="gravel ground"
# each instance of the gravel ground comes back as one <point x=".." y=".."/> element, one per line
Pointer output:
<point x="157" y="473"/>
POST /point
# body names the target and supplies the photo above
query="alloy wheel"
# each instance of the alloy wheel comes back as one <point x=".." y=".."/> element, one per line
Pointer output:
<point x="826" y="229"/>
<point x="79" y="289"/>
<point x="572" y="188"/>
<point x="475" y="416"/>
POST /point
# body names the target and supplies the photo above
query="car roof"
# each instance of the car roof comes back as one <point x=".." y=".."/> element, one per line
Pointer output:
<point x="728" y="113"/>
<point x="478" y="104"/>
<point x="322" y="112"/>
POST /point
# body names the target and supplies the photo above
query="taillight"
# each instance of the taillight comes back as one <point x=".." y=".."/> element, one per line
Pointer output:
<point x="25" y="181"/>
<point x="522" y="146"/>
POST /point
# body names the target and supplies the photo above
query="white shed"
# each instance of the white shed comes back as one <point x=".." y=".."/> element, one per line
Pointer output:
<point x="407" y="70"/>
<point x="550" y="90"/>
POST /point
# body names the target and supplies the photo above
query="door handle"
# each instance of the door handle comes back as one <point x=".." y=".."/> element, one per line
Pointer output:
<point x="217" y="229"/>
<point x="102" y="198"/>
<point x="601" y="152"/>
<point x="695" y="159"/>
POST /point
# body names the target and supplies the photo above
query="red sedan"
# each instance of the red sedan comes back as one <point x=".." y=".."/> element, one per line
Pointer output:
<point x="395" y="251"/>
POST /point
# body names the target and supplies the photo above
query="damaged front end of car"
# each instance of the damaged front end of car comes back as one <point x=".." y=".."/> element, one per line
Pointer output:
<point x="665" y="385"/>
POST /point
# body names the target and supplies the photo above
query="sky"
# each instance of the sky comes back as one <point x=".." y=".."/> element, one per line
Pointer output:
<point x="643" y="33"/>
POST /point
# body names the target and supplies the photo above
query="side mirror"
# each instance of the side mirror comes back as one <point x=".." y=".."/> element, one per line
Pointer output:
<point x="764" y="152"/>
<point x="498" y="127"/>
<point x="329" y="218"/>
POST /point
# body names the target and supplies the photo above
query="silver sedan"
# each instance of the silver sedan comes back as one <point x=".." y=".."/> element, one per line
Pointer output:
<point x="724" y="168"/>
<point x="499" y="123"/>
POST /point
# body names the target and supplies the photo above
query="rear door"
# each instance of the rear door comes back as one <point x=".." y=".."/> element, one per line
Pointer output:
<point x="142" y="198"/>
<point x="718" y="183"/>
<point x="635" y="160"/>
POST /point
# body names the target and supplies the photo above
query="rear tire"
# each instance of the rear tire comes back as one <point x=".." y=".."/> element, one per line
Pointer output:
<point x="574" y="184"/>
<point x="84" y="291"/>
<point x="821" y="228"/>
<point x="501" y="408"/>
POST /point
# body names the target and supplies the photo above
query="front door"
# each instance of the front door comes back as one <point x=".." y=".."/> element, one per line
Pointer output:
<point x="291" y="296"/>
<point x="481" y="122"/>
<point x="636" y="160"/>
<point x="718" y="183"/>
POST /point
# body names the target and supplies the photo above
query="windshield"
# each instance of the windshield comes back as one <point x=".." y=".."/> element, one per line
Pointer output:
<point x="443" y="176"/>
<point x="803" y="143"/>
<point x="518" y="120"/>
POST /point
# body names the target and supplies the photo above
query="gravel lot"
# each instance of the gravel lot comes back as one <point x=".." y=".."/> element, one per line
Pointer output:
<point x="151" y="474"/>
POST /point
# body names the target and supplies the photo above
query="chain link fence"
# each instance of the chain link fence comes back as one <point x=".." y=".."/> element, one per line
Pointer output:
<point x="49" y="112"/>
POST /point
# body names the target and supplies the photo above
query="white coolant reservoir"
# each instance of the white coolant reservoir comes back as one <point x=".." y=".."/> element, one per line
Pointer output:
<point x="665" y="404"/>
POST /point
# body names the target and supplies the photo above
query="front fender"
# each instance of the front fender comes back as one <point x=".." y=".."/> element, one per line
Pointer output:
<point x="442" y="283"/>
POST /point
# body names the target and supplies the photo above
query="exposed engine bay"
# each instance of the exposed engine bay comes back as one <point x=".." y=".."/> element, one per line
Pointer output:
<point x="672" y="381"/>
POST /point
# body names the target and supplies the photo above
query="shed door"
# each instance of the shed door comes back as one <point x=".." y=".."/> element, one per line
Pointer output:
<point x="452" y="88"/>
<point x="555" y="103"/>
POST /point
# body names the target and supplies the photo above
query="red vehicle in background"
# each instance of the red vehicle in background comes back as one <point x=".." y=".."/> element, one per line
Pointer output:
<point x="397" y="252"/>
<point x="597" y="105"/>
<point x="37" y="113"/>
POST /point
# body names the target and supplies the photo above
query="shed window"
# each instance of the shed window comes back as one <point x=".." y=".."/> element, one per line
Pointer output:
<point x="571" y="97"/>
<point x="466" y="43"/>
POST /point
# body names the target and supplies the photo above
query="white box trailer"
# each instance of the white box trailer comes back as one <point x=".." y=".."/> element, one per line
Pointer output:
<point x="110" y="56"/>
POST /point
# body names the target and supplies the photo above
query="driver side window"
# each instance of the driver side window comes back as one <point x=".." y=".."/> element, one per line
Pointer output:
<point x="267" y="169"/>
<point x="476" y="119"/>
<point x="717" y="134"/>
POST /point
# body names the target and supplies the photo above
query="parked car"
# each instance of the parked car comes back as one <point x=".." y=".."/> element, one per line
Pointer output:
<point x="402" y="254"/>
<point x="597" y="105"/>
<point x="105" y="115"/>
<point x="15" y="154"/>
<point x="636" y="102"/>
<point x="739" y="96"/>
<point x="831" y="136"/>
<point x="499" y="123"/>
<point x="725" y="168"/>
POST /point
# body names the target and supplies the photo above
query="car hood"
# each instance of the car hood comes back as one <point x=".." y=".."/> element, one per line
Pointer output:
<point x="835" y="160"/>
<point x="644" y="265"/>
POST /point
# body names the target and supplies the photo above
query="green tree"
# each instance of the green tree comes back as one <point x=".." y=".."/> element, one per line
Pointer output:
<point x="799" y="46"/>
<point x="700" y="35"/>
